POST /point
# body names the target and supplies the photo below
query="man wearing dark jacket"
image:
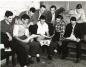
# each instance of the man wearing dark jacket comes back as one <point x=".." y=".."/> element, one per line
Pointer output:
<point x="71" y="35"/>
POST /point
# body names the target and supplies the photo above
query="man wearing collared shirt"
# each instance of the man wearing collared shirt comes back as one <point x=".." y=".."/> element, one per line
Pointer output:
<point x="6" y="29"/>
<point x="59" y="27"/>
<point x="42" y="27"/>
<point x="25" y="37"/>
<point x="41" y="11"/>
<point x="53" y="9"/>
<point x="43" y="30"/>
<point x="58" y="34"/>
<point x="71" y="35"/>
<point x="21" y="32"/>
<point x="51" y="15"/>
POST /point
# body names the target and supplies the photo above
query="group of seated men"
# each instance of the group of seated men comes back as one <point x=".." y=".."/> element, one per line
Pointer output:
<point x="27" y="33"/>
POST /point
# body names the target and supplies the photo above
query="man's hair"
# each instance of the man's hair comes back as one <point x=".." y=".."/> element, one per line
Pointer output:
<point x="25" y="16"/>
<point x="53" y="6"/>
<point x="73" y="19"/>
<point x="59" y="16"/>
<point x="32" y="9"/>
<point x="16" y="17"/>
<point x="79" y="6"/>
<point x="42" y="17"/>
<point x="8" y="13"/>
<point x="42" y="6"/>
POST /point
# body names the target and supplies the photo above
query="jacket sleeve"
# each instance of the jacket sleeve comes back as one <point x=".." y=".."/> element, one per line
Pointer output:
<point x="81" y="30"/>
<point x="33" y="29"/>
<point x="67" y="30"/>
<point x="77" y="31"/>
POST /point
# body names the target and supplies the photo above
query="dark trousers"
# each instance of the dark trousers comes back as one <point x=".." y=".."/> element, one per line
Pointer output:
<point x="64" y="48"/>
<point x="56" y="36"/>
<point x="16" y="47"/>
<point x="4" y="40"/>
<point x="34" y="48"/>
<point x="50" y="49"/>
<point x="20" y="51"/>
<point x="7" y="44"/>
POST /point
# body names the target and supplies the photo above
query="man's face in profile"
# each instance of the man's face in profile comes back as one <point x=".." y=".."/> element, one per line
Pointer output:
<point x="25" y="21"/>
<point x="9" y="19"/>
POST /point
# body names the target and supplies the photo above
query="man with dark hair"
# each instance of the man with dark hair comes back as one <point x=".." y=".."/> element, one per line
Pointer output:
<point x="31" y="14"/>
<point x="42" y="23"/>
<point x="43" y="31"/>
<point x="21" y="32"/>
<point x="42" y="6"/>
<point x="79" y="6"/>
<point x="53" y="6"/>
<point x="51" y="15"/>
<point x="32" y="10"/>
<point x="71" y="35"/>
<point x="80" y="14"/>
<point x="8" y="13"/>
<point x="25" y="16"/>
<point x="6" y="28"/>
<point x="58" y="33"/>
<point x="41" y="11"/>
<point x="59" y="28"/>
<point x="7" y="35"/>
<point x="40" y="29"/>
<point x="26" y="40"/>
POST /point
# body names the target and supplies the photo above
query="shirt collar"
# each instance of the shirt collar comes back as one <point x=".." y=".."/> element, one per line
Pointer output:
<point x="7" y="22"/>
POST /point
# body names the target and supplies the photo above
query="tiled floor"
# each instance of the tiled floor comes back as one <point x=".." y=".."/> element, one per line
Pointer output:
<point x="56" y="62"/>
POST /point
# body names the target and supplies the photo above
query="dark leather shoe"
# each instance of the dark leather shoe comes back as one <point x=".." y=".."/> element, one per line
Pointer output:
<point x="77" y="60"/>
<point x="38" y="59"/>
<point x="50" y="57"/>
<point x="30" y="61"/>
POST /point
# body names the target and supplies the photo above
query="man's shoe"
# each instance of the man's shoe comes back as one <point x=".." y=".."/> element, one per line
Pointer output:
<point x="50" y="57"/>
<point x="30" y="61"/>
<point x="38" y="59"/>
<point x="63" y="57"/>
<point x="77" y="60"/>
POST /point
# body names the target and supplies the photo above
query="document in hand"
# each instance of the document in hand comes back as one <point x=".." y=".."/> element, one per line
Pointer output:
<point x="72" y="37"/>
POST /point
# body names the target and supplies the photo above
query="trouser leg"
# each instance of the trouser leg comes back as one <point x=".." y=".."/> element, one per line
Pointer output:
<point x="64" y="49"/>
<point x="34" y="48"/>
<point x="20" y="51"/>
<point x="78" y="51"/>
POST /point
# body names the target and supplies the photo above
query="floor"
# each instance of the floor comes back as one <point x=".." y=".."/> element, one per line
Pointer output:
<point x="56" y="62"/>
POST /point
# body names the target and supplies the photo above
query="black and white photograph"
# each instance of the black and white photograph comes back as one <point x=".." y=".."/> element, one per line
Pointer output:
<point x="42" y="33"/>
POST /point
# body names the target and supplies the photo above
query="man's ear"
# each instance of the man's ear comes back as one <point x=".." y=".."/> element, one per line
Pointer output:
<point x="22" y="19"/>
<point x="5" y="17"/>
